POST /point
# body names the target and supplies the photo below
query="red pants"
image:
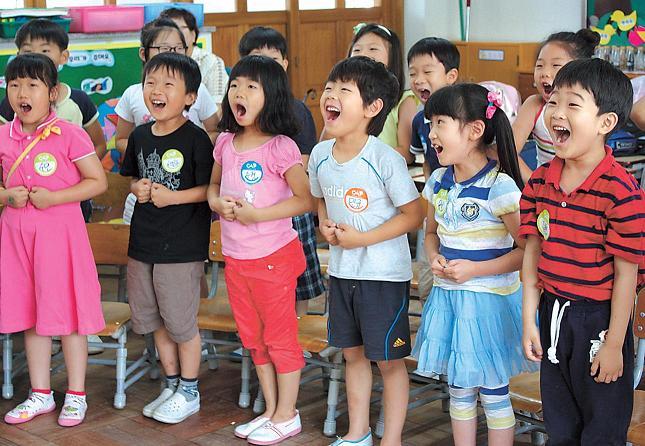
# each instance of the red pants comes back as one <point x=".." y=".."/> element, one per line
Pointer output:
<point x="262" y="293"/>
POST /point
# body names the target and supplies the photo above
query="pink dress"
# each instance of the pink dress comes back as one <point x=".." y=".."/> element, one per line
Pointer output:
<point x="48" y="278"/>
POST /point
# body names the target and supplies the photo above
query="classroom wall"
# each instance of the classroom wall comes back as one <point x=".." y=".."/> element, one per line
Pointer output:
<point x="492" y="20"/>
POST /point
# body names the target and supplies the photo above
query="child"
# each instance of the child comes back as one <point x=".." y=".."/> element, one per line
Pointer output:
<point x="169" y="160"/>
<point x="160" y="36"/>
<point x="382" y="44"/>
<point x="257" y="185"/>
<point x="433" y="63"/>
<point x="582" y="216"/>
<point x="48" y="280"/>
<point x="470" y="327"/>
<point x="46" y="37"/>
<point x="269" y="42"/>
<point x="557" y="50"/>
<point x="213" y="69"/>
<point x="367" y="203"/>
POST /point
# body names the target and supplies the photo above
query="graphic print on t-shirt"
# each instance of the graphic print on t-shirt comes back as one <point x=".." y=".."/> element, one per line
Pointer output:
<point x="152" y="168"/>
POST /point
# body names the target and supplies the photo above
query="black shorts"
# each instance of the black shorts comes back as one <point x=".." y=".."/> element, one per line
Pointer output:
<point x="370" y="313"/>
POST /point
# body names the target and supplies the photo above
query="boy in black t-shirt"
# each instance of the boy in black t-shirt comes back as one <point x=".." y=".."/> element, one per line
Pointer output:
<point x="268" y="42"/>
<point x="170" y="160"/>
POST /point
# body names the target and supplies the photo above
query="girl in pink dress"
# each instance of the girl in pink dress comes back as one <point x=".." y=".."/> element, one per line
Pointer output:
<point x="48" y="280"/>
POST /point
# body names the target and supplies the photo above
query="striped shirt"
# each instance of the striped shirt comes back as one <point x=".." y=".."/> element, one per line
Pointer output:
<point x="469" y="221"/>
<point x="581" y="232"/>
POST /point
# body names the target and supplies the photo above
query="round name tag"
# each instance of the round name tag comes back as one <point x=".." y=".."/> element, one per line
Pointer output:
<point x="356" y="199"/>
<point x="172" y="161"/>
<point x="251" y="172"/>
<point x="45" y="164"/>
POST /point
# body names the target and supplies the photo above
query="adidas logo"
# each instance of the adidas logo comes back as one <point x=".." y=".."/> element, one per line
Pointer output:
<point x="398" y="343"/>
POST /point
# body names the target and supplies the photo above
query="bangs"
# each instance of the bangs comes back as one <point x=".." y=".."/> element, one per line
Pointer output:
<point x="250" y="67"/>
<point x="444" y="102"/>
<point x="32" y="66"/>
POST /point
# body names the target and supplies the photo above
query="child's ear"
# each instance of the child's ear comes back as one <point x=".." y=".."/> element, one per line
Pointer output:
<point x="142" y="54"/>
<point x="190" y="98"/>
<point x="53" y="95"/>
<point x="476" y="130"/>
<point x="285" y="64"/>
<point x="608" y="122"/>
<point x="452" y="75"/>
<point x="374" y="108"/>
<point x="64" y="57"/>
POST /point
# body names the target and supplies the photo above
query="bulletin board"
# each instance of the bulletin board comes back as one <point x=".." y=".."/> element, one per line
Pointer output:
<point x="619" y="22"/>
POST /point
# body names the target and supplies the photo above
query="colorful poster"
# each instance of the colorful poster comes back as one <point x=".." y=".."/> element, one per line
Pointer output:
<point x="619" y="22"/>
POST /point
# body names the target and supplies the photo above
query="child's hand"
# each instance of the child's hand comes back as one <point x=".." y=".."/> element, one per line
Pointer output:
<point x="438" y="265"/>
<point x="161" y="196"/>
<point x="348" y="237"/>
<point x="17" y="197"/>
<point x="41" y="198"/>
<point x="531" y="342"/>
<point x="608" y="364"/>
<point x="328" y="231"/>
<point x="460" y="270"/>
<point x="224" y="207"/>
<point x="245" y="212"/>
<point x="141" y="189"/>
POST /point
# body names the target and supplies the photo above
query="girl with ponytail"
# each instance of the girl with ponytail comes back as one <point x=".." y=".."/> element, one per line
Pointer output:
<point x="471" y="325"/>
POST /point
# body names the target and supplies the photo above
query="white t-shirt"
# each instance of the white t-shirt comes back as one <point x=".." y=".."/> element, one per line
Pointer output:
<point x="365" y="192"/>
<point x="132" y="107"/>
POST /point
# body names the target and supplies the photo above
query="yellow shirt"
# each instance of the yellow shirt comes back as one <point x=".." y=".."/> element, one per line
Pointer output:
<point x="389" y="133"/>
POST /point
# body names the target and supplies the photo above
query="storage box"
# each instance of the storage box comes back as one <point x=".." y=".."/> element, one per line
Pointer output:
<point x="152" y="10"/>
<point x="9" y="26"/>
<point x="105" y="19"/>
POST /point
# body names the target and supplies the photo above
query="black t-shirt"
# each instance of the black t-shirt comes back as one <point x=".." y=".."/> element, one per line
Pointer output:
<point x="306" y="138"/>
<point x="179" y="161"/>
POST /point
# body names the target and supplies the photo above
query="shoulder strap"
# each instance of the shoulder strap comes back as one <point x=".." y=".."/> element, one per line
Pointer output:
<point x="45" y="133"/>
<point x="537" y="116"/>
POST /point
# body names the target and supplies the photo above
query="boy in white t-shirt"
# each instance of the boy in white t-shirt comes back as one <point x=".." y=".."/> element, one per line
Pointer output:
<point x="367" y="203"/>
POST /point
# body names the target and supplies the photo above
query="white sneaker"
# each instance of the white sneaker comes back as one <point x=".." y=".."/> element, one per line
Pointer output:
<point x="36" y="404"/>
<point x="244" y="430"/>
<point x="176" y="409"/>
<point x="273" y="433"/>
<point x="366" y="440"/>
<point x="73" y="412"/>
<point x="149" y="408"/>
<point x="94" y="350"/>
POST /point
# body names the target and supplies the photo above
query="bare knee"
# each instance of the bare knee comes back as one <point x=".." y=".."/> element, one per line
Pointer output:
<point x="391" y="367"/>
<point x="354" y="354"/>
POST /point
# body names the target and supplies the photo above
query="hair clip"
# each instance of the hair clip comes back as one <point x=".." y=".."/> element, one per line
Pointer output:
<point x="494" y="102"/>
<point x="362" y="25"/>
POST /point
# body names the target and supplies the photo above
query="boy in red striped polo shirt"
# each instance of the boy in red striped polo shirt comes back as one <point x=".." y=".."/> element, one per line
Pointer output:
<point x="584" y="217"/>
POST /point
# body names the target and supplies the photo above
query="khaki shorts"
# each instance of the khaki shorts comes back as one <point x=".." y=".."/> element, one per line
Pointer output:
<point x="165" y="294"/>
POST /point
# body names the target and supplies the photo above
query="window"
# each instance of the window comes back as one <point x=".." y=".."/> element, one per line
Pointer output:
<point x="217" y="5"/>
<point x="67" y="3"/>
<point x="316" y="4"/>
<point x="360" y="3"/>
<point x="11" y="4"/>
<point x="266" y="5"/>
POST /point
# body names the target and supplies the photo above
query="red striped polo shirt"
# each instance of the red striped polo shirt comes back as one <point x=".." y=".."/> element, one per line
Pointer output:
<point x="581" y="232"/>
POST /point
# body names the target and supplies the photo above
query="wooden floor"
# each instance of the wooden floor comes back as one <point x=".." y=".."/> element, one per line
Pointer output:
<point x="212" y="426"/>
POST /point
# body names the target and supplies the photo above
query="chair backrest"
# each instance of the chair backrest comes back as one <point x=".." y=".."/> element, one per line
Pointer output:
<point x="215" y="243"/>
<point x="109" y="205"/>
<point x="639" y="332"/>
<point x="109" y="243"/>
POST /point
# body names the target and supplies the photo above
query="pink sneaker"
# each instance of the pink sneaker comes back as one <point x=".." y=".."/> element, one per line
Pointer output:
<point x="37" y="404"/>
<point x="270" y="433"/>
<point x="73" y="412"/>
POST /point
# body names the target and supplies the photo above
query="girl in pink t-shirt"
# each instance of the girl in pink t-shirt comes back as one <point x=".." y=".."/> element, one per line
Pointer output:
<point x="48" y="280"/>
<point x="258" y="184"/>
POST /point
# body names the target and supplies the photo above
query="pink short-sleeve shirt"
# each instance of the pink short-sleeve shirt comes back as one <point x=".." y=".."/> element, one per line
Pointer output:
<point x="256" y="176"/>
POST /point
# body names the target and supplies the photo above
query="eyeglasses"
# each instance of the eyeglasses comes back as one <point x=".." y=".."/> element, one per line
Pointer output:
<point x="169" y="49"/>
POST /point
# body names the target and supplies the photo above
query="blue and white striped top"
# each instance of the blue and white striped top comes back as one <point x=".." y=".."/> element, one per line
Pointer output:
<point x="470" y="225"/>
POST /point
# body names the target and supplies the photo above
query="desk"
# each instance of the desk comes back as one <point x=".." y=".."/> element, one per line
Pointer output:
<point x="635" y="164"/>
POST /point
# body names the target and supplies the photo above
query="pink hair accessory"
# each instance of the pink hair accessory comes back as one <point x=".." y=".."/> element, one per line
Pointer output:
<point x="494" y="102"/>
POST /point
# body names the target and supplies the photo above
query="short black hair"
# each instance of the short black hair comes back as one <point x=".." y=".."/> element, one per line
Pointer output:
<point x="186" y="15"/>
<point x="178" y="64"/>
<point x="151" y="30"/>
<point x="579" y="45"/>
<point x="42" y="29"/>
<point x="32" y="66"/>
<point x="444" y="50"/>
<point x="277" y="116"/>
<point x="374" y="81"/>
<point x="611" y="89"/>
<point x="262" y="37"/>
<point x="395" y="62"/>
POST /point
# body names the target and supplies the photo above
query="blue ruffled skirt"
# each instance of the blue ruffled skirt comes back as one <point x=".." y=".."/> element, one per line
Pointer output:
<point x="474" y="338"/>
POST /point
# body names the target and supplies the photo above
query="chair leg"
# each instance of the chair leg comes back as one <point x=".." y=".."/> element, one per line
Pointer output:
<point x="152" y="355"/>
<point x="259" y="404"/>
<point x="121" y="364"/>
<point x="245" y="395"/>
<point x="7" y="366"/>
<point x="214" y="276"/>
<point x="335" y="376"/>
<point x="379" y="429"/>
<point x="121" y="290"/>
<point x="211" y="351"/>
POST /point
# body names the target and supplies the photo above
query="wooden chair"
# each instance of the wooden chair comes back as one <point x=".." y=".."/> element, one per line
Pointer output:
<point x="109" y="205"/>
<point x="636" y="433"/>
